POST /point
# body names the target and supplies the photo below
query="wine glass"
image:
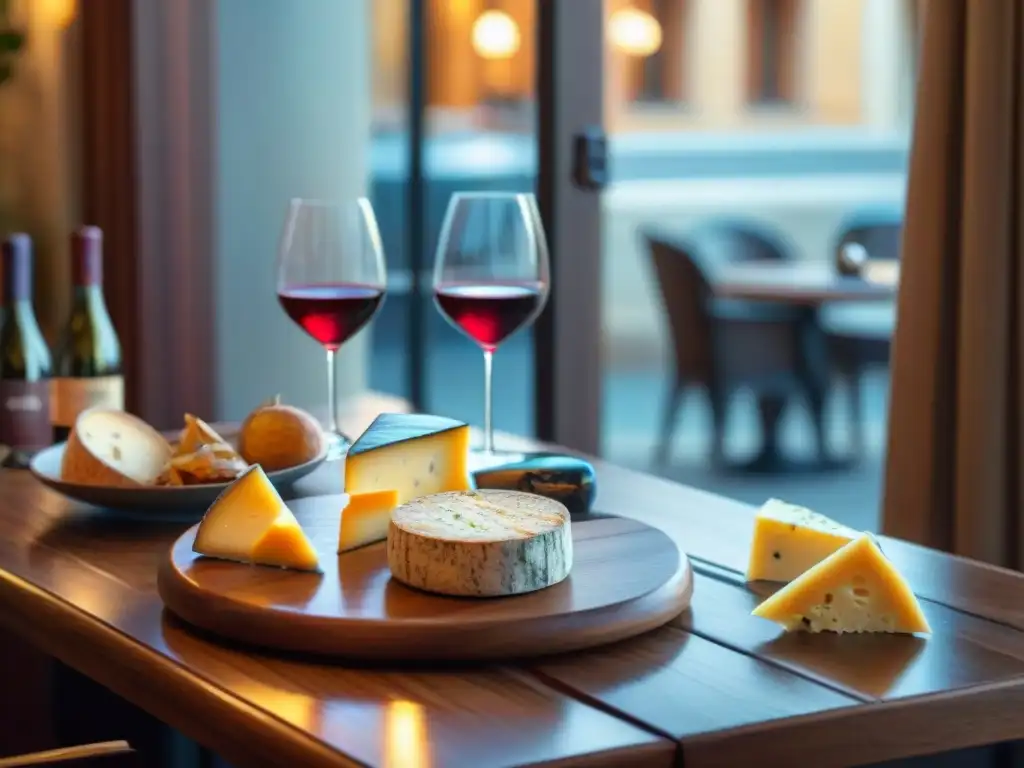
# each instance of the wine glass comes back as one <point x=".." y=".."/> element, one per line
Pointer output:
<point x="331" y="281"/>
<point x="491" y="274"/>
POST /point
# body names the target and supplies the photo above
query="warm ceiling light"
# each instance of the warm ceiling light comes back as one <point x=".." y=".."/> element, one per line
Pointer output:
<point x="634" y="32"/>
<point x="60" y="13"/>
<point x="495" y="35"/>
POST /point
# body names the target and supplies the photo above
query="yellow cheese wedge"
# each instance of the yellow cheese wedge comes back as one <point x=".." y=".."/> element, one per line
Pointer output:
<point x="414" y="454"/>
<point x="789" y="539"/>
<point x="250" y="523"/>
<point x="365" y="519"/>
<point x="856" y="589"/>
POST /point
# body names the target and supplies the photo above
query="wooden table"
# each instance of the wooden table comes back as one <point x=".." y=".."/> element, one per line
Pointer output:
<point x="716" y="688"/>
<point x="804" y="283"/>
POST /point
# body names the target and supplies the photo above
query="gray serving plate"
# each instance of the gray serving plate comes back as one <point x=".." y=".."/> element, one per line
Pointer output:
<point x="188" y="499"/>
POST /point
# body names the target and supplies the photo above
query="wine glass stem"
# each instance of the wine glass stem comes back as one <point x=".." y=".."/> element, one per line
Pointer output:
<point x="332" y="395"/>
<point x="488" y="421"/>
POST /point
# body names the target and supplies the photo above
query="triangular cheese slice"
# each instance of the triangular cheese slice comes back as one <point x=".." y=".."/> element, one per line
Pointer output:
<point x="250" y="523"/>
<point x="789" y="539"/>
<point x="365" y="519"/>
<point x="856" y="589"/>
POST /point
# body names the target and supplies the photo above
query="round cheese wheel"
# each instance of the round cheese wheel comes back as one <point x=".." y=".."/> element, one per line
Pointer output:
<point x="486" y="543"/>
<point x="113" y="448"/>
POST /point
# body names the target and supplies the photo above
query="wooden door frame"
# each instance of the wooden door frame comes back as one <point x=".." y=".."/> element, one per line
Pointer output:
<point x="148" y="141"/>
<point x="567" y="336"/>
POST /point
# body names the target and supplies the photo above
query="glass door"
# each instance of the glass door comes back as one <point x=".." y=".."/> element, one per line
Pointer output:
<point x="738" y="130"/>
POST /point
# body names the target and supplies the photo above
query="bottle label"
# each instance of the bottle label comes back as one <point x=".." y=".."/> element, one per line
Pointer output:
<point x="25" y="415"/>
<point x="70" y="396"/>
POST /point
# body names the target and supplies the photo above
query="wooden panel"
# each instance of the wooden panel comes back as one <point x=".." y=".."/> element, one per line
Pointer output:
<point x="149" y="187"/>
<point x="79" y="585"/>
<point x="724" y="710"/>
<point x="963" y="651"/>
<point x="109" y="168"/>
<point x="718" y="530"/>
<point x="683" y="685"/>
<point x="868" y="735"/>
<point x="355" y="610"/>
<point x="726" y="693"/>
<point x="259" y="710"/>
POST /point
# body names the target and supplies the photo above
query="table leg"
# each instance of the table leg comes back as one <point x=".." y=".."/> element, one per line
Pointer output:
<point x="771" y="459"/>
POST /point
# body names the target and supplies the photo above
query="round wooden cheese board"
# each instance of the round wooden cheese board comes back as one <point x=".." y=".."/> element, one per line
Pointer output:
<point x="627" y="578"/>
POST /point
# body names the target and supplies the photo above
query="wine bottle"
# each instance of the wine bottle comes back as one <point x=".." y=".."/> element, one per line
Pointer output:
<point x="24" y="358"/>
<point x="87" y="360"/>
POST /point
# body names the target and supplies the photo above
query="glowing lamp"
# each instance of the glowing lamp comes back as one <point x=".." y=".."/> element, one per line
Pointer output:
<point x="59" y="13"/>
<point x="495" y="35"/>
<point x="634" y="32"/>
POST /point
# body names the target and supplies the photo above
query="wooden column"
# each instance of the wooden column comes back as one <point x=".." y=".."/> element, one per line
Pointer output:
<point x="147" y="181"/>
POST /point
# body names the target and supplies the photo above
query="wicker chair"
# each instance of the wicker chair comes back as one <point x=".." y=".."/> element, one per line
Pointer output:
<point x="721" y="345"/>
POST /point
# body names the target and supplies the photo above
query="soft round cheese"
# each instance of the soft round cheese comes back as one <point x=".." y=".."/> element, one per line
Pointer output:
<point x="113" y="448"/>
<point x="487" y="543"/>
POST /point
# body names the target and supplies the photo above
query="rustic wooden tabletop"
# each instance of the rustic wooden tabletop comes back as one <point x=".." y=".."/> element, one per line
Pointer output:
<point x="717" y="687"/>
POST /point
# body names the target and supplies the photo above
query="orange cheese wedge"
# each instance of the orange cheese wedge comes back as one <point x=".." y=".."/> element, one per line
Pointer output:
<point x="365" y="519"/>
<point x="250" y="523"/>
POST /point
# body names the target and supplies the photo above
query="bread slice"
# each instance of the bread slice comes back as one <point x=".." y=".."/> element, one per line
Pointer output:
<point x="113" y="448"/>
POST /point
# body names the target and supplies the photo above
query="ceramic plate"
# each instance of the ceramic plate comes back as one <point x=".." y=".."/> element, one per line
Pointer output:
<point x="156" y="499"/>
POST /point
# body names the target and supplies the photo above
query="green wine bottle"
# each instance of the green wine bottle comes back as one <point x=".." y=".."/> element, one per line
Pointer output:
<point x="24" y="358"/>
<point x="87" y="360"/>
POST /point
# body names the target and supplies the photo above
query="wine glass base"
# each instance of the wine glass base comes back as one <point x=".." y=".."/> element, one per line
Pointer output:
<point x="482" y="459"/>
<point x="337" y="446"/>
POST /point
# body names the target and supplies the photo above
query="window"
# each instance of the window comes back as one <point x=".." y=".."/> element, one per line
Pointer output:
<point x="480" y="68"/>
<point x="661" y="76"/>
<point x="771" y="45"/>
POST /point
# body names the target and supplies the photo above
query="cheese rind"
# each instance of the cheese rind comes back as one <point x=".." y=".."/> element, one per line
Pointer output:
<point x="365" y="519"/>
<point x="480" y="543"/>
<point x="856" y="589"/>
<point x="789" y="539"/>
<point x="413" y="454"/>
<point x="250" y="523"/>
<point x="113" y="448"/>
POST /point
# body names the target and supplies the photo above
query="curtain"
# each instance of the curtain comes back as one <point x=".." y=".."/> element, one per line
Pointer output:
<point x="953" y="479"/>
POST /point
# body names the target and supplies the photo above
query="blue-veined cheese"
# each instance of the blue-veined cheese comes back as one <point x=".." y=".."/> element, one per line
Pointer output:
<point x="789" y="539"/>
<point x="486" y="543"/>
<point x="413" y="454"/>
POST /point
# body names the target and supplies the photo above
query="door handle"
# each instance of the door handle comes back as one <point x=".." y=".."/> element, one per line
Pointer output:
<point x="590" y="159"/>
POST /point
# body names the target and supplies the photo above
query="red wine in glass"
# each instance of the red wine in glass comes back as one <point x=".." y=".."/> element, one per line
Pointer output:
<point x="491" y="274"/>
<point x="331" y="313"/>
<point x="488" y="313"/>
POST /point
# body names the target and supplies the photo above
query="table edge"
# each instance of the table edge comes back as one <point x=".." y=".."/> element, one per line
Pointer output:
<point x="35" y="613"/>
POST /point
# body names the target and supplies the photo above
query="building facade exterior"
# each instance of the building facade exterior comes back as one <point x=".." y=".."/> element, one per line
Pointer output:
<point x="671" y="65"/>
